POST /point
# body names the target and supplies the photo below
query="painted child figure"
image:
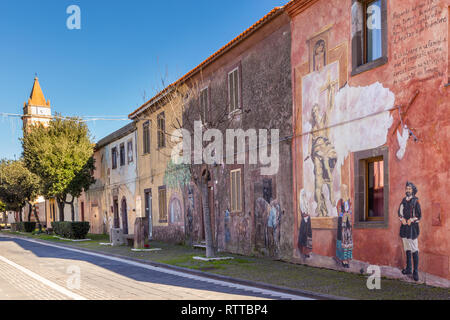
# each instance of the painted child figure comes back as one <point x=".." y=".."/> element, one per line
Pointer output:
<point x="344" y="242"/>
<point x="410" y="214"/>
<point x="305" y="232"/>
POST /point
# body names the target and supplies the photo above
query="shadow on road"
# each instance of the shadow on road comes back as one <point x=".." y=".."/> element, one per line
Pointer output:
<point x="133" y="272"/>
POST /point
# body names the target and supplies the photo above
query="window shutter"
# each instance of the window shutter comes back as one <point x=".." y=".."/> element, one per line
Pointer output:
<point x="233" y="192"/>
<point x="238" y="191"/>
<point x="236" y="89"/>
<point x="230" y="92"/>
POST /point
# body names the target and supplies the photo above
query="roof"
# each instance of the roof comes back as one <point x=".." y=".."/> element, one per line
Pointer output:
<point x="37" y="96"/>
<point x="116" y="135"/>
<point x="268" y="17"/>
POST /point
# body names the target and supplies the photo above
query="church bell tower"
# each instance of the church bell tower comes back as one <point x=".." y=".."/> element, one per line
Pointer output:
<point x="37" y="110"/>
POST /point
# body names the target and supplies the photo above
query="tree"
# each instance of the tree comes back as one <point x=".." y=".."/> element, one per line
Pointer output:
<point x="18" y="186"/>
<point x="82" y="181"/>
<point x="3" y="210"/>
<point x="187" y="96"/>
<point x="62" y="156"/>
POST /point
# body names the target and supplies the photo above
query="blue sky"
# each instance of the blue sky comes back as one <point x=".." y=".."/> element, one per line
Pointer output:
<point x="124" y="48"/>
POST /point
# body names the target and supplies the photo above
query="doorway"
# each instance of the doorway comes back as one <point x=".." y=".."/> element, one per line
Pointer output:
<point x="82" y="211"/>
<point x="148" y="211"/>
<point x="116" y="213"/>
<point x="124" y="216"/>
<point x="211" y="210"/>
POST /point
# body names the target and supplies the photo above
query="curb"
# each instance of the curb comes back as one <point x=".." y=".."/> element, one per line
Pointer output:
<point x="260" y="285"/>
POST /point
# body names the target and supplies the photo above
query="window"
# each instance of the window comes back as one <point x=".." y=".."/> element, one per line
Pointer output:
<point x="146" y="137"/>
<point x="371" y="188"/>
<point x="122" y="154"/>
<point x="369" y="34"/>
<point x="236" y="190"/>
<point x="374" y="189"/>
<point x="161" y="130"/>
<point x="372" y="38"/>
<point x="130" y="151"/>
<point x="234" y="88"/>
<point x="204" y="103"/>
<point x="114" y="157"/>
<point x="162" y="198"/>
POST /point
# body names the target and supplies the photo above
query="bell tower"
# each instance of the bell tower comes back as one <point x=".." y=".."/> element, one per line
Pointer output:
<point x="36" y="111"/>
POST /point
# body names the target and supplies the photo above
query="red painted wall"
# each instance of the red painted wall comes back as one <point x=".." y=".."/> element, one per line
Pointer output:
<point x="426" y="162"/>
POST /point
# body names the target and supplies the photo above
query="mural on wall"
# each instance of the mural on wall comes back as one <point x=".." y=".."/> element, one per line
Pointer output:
<point x="227" y="226"/>
<point x="344" y="238"/>
<point x="305" y="232"/>
<point x="267" y="225"/>
<point x="336" y="120"/>
<point x="329" y="117"/>
<point x="175" y="210"/>
<point x="190" y="209"/>
<point x="410" y="214"/>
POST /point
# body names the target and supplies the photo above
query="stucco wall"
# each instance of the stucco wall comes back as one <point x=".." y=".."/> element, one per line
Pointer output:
<point x="152" y="168"/>
<point x="264" y="62"/>
<point x="417" y="55"/>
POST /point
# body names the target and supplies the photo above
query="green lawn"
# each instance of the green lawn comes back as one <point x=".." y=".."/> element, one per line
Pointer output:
<point x="279" y="273"/>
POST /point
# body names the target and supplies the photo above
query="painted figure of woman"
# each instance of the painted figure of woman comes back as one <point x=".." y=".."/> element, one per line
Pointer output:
<point x="305" y="232"/>
<point x="344" y="243"/>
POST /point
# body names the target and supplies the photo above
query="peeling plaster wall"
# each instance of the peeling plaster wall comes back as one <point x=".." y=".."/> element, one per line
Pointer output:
<point x="121" y="182"/>
<point x="265" y="229"/>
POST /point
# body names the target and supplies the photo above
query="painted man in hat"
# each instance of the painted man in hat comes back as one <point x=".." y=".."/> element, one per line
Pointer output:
<point x="410" y="215"/>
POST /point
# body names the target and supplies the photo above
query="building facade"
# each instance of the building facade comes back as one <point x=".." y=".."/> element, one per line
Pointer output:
<point x="111" y="201"/>
<point x="248" y="81"/>
<point x="371" y="109"/>
<point x="161" y="206"/>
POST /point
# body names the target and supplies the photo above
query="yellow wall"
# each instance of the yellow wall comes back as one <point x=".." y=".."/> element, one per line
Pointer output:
<point x="152" y="166"/>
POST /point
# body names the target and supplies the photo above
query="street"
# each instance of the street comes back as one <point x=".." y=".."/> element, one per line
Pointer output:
<point x="30" y="270"/>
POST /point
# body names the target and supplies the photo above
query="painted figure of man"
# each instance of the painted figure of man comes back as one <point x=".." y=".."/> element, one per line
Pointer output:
<point x="410" y="214"/>
<point x="321" y="151"/>
<point x="344" y="242"/>
<point x="305" y="232"/>
<point x="273" y="226"/>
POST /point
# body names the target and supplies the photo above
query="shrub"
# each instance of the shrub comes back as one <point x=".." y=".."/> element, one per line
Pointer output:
<point x="71" y="230"/>
<point x="28" y="226"/>
<point x="23" y="226"/>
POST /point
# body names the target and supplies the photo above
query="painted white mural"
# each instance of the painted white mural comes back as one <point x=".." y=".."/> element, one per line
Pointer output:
<point x="335" y="123"/>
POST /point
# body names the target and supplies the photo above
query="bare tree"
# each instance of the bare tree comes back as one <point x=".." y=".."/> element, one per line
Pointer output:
<point x="184" y="100"/>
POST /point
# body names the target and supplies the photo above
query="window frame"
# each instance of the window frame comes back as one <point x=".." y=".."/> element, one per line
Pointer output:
<point x="204" y="108"/>
<point x="238" y="69"/>
<point x="366" y="208"/>
<point x="239" y="204"/>
<point x="162" y="214"/>
<point x="130" y="157"/>
<point x="146" y="126"/>
<point x="361" y="159"/>
<point x="114" y="157"/>
<point x="122" y="157"/>
<point x="161" y="130"/>
<point x="361" y="53"/>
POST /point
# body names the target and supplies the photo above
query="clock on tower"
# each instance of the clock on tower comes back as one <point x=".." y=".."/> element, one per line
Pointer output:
<point x="37" y="110"/>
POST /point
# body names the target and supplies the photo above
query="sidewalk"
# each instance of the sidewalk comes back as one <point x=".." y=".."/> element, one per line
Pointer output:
<point x="262" y="272"/>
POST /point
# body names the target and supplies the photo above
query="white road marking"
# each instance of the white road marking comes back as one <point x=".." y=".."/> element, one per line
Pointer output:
<point x="48" y="283"/>
<point x="178" y="273"/>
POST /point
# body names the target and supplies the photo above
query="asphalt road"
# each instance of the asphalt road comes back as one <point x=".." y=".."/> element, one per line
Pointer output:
<point x="30" y="270"/>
